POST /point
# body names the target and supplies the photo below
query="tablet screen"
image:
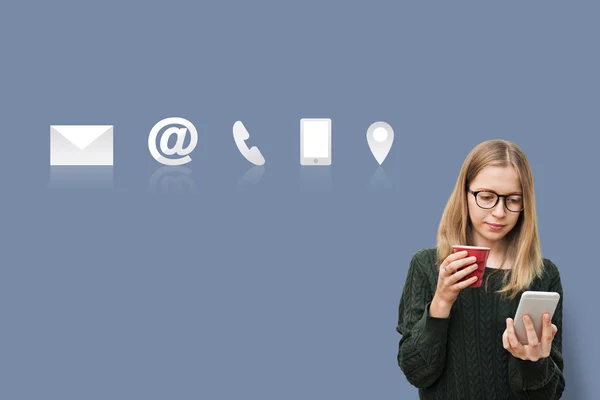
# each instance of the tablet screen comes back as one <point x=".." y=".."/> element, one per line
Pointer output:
<point x="316" y="138"/>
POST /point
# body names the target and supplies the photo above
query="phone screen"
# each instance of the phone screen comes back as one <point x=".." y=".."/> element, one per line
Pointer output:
<point x="316" y="138"/>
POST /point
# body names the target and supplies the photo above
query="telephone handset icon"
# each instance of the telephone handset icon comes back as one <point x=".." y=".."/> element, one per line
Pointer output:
<point x="240" y="135"/>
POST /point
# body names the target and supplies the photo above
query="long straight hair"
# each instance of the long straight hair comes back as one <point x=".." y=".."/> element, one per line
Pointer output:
<point x="523" y="244"/>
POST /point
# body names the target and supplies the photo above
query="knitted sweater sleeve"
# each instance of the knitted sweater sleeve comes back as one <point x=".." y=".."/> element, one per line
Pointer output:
<point x="544" y="378"/>
<point x="422" y="348"/>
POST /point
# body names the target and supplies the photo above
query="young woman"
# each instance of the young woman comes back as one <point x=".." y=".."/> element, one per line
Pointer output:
<point x="459" y="342"/>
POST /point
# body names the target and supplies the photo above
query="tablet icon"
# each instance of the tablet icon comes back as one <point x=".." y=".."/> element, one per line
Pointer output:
<point x="178" y="127"/>
<point x="315" y="141"/>
<point x="240" y="135"/>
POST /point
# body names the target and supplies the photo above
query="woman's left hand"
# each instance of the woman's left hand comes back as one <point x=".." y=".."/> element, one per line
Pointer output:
<point x="536" y="349"/>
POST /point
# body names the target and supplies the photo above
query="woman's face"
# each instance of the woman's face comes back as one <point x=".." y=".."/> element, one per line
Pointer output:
<point x="492" y="225"/>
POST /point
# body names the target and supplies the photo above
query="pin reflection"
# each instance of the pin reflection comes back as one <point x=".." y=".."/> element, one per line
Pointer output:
<point x="380" y="181"/>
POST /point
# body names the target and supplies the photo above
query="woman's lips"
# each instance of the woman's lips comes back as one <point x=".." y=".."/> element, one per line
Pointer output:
<point x="494" y="227"/>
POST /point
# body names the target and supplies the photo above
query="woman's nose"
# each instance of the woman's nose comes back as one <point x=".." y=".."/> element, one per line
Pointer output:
<point x="499" y="209"/>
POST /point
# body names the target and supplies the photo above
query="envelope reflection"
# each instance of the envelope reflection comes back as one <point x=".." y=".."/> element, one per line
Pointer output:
<point x="81" y="177"/>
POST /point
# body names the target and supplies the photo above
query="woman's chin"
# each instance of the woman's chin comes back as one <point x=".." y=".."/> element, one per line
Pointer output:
<point x="491" y="236"/>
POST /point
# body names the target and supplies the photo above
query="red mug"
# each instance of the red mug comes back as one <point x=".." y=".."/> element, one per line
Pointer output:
<point x="481" y="253"/>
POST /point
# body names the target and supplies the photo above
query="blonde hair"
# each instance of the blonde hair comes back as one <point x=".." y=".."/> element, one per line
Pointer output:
<point x="523" y="240"/>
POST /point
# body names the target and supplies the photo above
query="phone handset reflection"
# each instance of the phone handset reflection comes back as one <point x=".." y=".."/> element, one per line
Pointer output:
<point x="240" y="135"/>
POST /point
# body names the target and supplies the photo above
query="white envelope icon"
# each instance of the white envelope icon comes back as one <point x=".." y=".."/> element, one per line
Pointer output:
<point x="81" y="145"/>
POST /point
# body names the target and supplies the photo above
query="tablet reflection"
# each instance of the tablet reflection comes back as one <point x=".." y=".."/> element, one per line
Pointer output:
<point x="316" y="178"/>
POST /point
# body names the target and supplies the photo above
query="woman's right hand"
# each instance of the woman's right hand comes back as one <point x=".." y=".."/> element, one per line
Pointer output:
<point x="454" y="268"/>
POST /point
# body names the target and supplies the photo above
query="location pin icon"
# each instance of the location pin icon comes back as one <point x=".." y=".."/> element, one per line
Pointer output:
<point x="380" y="137"/>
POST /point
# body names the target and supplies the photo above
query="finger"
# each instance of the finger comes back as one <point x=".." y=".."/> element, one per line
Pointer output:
<point x="554" y="330"/>
<point x="456" y="265"/>
<point x="452" y="257"/>
<point x="547" y="334"/>
<point x="456" y="256"/>
<point x="464" y="284"/>
<point x="458" y="275"/>
<point x="532" y="337"/>
<point x="512" y="337"/>
<point x="505" y="342"/>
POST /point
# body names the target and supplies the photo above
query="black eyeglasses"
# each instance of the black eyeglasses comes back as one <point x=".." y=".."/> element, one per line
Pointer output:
<point x="487" y="200"/>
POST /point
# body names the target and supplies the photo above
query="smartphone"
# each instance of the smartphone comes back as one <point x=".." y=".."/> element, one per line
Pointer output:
<point x="535" y="304"/>
<point x="315" y="141"/>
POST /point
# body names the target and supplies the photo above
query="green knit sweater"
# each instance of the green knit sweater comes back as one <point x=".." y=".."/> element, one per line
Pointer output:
<point x="462" y="357"/>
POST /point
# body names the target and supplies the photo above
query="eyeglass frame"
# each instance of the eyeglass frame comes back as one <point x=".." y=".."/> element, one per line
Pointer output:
<point x="505" y="196"/>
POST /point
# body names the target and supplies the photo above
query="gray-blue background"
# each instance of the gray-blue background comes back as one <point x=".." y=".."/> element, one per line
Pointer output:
<point x="286" y="289"/>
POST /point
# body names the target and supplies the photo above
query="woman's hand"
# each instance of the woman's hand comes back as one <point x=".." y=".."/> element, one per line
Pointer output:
<point x="454" y="268"/>
<point x="536" y="349"/>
